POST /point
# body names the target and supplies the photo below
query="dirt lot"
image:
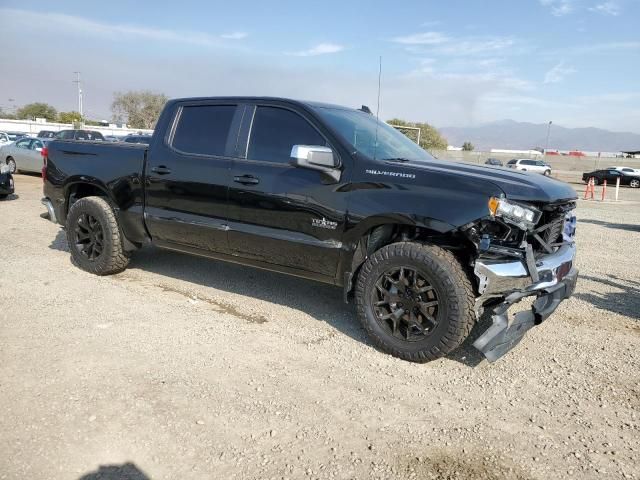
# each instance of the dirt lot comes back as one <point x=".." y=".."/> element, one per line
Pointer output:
<point x="186" y="368"/>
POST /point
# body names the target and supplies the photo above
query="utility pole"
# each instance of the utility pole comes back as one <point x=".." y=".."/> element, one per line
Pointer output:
<point x="79" y="84"/>
<point x="546" y="145"/>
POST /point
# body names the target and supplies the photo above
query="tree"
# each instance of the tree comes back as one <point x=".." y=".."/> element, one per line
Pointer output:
<point x="69" y="117"/>
<point x="140" y="109"/>
<point x="37" y="110"/>
<point x="467" y="147"/>
<point x="430" y="138"/>
<point x="7" y="115"/>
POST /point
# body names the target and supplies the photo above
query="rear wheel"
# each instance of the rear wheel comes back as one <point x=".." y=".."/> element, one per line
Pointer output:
<point x="13" y="168"/>
<point x="596" y="181"/>
<point x="415" y="301"/>
<point x="635" y="183"/>
<point x="94" y="237"/>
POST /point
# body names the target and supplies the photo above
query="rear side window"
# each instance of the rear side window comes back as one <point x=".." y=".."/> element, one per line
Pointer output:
<point x="65" y="134"/>
<point x="527" y="162"/>
<point x="204" y="129"/>
<point x="275" y="131"/>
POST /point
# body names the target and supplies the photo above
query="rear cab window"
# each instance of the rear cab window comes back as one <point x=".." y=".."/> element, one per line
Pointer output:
<point x="203" y="129"/>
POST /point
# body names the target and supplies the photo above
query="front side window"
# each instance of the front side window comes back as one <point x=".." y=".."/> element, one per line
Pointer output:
<point x="370" y="136"/>
<point x="203" y="129"/>
<point x="275" y="131"/>
<point x="36" y="144"/>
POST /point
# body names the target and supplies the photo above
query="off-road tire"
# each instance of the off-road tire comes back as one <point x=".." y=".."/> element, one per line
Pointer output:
<point x="113" y="258"/>
<point x="452" y="286"/>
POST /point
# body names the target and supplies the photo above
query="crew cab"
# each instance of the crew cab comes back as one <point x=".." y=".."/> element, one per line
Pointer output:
<point x="330" y="194"/>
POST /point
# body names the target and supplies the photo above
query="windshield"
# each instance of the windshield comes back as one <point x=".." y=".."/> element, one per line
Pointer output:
<point x="359" y="130"/>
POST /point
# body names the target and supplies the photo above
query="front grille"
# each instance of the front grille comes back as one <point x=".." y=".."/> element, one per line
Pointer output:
<point x="556" y="225"/>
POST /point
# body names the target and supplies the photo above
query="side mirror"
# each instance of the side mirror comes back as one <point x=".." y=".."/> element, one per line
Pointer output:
<point x="38" y="149"/>
<point x="315" y="157"/>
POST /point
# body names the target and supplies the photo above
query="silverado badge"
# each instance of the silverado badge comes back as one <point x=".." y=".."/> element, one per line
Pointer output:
<point x="323" y="223"/>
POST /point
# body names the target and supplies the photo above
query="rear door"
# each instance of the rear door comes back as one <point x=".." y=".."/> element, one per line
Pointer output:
<point x="188" y="175"/>
<point x="278" y="213"/>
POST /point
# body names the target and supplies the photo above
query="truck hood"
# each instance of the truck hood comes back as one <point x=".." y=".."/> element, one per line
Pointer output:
<point x="516" y="185"/>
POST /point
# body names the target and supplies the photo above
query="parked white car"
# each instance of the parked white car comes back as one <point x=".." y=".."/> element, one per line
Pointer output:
<point x="24" y="155"/>
<point x="529" y="165"/>
<point x="628" y="170"/>
<point x="4" y="139"/>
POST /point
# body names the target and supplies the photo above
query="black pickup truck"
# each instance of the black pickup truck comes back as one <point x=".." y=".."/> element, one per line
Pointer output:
<point x="327" y="193"/>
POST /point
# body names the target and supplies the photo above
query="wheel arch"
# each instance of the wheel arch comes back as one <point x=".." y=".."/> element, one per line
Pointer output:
<point x="76" y="189"/>
<point x="375" y="232"/>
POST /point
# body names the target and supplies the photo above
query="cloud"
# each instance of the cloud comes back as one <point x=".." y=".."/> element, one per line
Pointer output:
<point x="113" y="31"/>
<point x="426" y="38"/>
<point x="558" y="73"/>
<point x="558" y="8"/>
<point x="438" y="43"/>
<point x="234" y="35"/>
<point x="320" y="49"/>
<point x="607" y="8"/>
<point x="615" y="47"/>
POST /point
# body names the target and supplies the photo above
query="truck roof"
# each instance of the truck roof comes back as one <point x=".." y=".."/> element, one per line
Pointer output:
<point x="306" y="103"/>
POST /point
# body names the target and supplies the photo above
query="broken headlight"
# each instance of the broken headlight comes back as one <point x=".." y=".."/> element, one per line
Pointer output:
<point x="524" y="217"/>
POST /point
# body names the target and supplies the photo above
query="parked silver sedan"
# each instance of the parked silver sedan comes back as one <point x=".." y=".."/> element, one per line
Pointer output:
<point x="23" y="155"/>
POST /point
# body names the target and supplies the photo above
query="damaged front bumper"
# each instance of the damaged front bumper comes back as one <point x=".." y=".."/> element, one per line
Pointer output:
<point x="551" y="278"/>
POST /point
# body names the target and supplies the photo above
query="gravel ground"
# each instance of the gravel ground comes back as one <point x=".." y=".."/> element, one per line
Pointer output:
<point x="186" y="368"/>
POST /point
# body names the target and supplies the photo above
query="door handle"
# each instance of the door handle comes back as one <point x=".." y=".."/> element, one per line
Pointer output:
<point x="161" y="170"/>
<point x="246" y="180"/>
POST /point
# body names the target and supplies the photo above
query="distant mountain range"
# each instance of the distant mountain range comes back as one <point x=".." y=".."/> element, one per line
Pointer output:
<point x="510" y="134"/>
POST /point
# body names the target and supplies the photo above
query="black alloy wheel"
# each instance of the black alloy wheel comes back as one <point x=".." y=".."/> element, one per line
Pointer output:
<point x="405" y="304"/>
<point x="89" y="237"/>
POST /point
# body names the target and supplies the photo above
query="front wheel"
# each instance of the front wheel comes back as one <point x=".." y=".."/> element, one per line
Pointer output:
<point x="635" y="183"/>
<point x="547" y="173"/>
<point x="415" y="301"/>
<point x="13" y="168"/>
<point x="94" y="237"/>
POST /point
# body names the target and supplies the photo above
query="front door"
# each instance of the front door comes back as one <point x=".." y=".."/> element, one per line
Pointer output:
<point x="188" y="177"/>
<point x="278" y="213"/>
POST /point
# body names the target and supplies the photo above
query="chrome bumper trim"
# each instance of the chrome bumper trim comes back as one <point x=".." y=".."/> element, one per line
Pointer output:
<point x="501" y="277"/>
<point x="52" y="213"/>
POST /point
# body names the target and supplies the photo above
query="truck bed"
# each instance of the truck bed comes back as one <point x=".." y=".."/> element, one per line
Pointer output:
<point x="114" y="169"/>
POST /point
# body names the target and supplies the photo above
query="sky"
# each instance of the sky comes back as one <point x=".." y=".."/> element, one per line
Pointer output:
<point x="453" y="63"/>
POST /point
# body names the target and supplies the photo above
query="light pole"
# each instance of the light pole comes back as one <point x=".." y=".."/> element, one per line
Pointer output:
<point x="546" y="145"/>
<point x="78" y="82"/>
